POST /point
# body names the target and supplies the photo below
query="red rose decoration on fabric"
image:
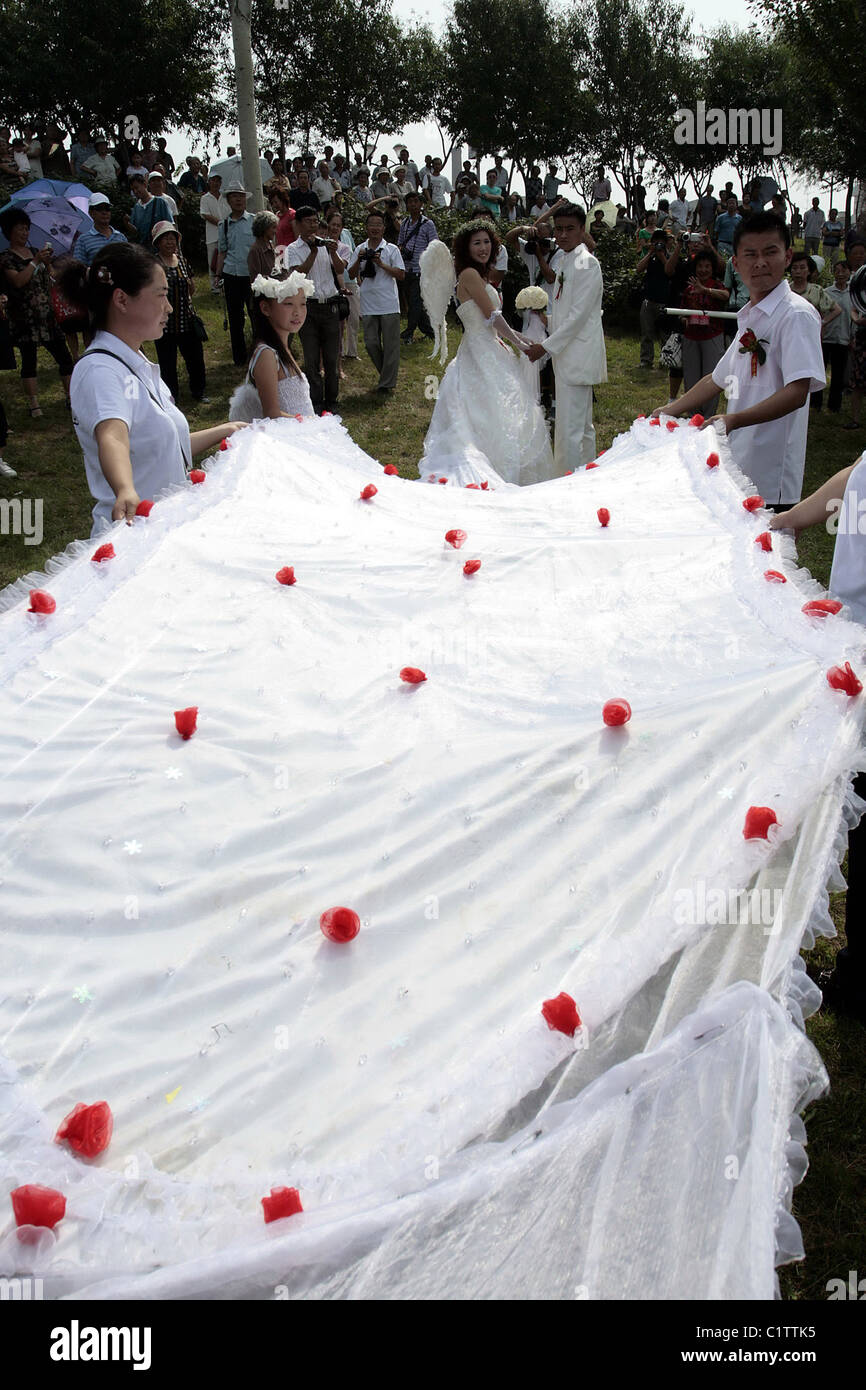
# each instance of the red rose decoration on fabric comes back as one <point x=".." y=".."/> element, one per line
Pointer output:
<point x="616" y="712"/>
<point x="752" y="504"/>
<point x="145" y="507"/>
<point x="455" y="538"/>
<point x="390" y="469"/>
<point x="299" y="417"/>
<point x="655" y="420"/>
<point x="602" y="451"/>
<point x="758" y="822"/>
<point x="443" y="480"/>
<point x="641" y="417"/>
<point x="185" y="721"/>
<point x="712" y="460"/>
<point x="472" y="567"/>
<point x="560" y="1014"/>
<point x="286" y="575"/>
<point x="603" y="515"/>
<point x="41" y="602"/>
<point x="197" y="475"/>
<point x="369" y="491"/>
<point x="224" y="444"/>
<point x="87" y="1129"/>
<point x="764" y="541"/>
<point x="672" y="425"/>
<point x="821" y="607"/>
<point x="775" y="577"/>
<point x="34" y="1205"/>
<point x="105" y="552"/>
<point x="283" y="1201"/>
<point x="485" y="485"/>
<point x="340" y="924"/>
<point x="697" y="420"/>
<point x="843" y="678"/>
<point x="591" y="465"/>
<point x="474" y="486"/>
<point x="326" y="414"/>
<point x="412" y="675"/>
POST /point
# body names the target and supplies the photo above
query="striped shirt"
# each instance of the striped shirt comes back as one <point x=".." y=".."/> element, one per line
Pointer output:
<point x="414" y="238"/>
<point x="90" y="243"/>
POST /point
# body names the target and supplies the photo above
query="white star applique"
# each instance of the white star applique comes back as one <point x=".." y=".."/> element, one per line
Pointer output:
<point x="173" y="773"/>
<point x="727" y="793"/>
<point x="132" y="846"/>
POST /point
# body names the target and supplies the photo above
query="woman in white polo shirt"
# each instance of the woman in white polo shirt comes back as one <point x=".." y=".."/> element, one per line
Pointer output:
<point x="136" y="443"/>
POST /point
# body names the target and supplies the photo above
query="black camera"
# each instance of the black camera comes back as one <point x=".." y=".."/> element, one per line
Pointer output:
<point x="536" y="243"/>
<point x="368" y="264"/>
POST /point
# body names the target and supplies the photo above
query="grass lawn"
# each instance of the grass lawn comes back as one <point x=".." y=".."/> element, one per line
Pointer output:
<point x="830" y="1202"/>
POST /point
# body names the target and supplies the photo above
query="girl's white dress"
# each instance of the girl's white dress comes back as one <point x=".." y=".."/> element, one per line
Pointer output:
<point x="294" y="392"/>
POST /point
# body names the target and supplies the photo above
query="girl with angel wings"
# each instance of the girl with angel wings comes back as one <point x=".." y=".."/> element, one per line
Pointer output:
<point x="486" y="423"/>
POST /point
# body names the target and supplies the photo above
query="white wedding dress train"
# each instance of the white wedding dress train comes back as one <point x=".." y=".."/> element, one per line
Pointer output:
<point x="486" y="426"/>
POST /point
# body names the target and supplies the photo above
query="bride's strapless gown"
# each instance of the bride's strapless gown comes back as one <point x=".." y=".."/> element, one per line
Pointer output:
<point x="486" y="424"/>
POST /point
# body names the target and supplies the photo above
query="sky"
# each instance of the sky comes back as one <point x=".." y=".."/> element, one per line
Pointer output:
<point x="424" y="138"/>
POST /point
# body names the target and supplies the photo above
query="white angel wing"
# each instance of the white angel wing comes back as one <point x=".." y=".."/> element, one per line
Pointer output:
<point x="437" y="288"/>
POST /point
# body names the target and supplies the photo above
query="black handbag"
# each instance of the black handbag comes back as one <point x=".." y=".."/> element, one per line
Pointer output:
<point x="343" y="302"/>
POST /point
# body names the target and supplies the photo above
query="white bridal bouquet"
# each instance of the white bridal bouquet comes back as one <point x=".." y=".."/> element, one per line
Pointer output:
<point x="532" y="297"/>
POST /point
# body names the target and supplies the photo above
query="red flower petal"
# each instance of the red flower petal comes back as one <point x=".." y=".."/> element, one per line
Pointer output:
<point x="286" y="575"/>
<point x="340" y="924"/>
<point x="560" y="1014"/>
<point x="197" y="475"/>
<point x="821" y="607"/>
<point x="752" y="504"/>
<point x="224" y="444"/>
<point x="455" y="538"/>
<point x="775" y="577"/>
<point x="758" y="822"/>
<point x="412" y="675"/>
<point x="105" y="552"/>
<point x="87" y="1129"/>
<point x="712" y="460"/>
<point x="697" y="420"/>
<point x="603" y="515"/>
<point x="616" y="712"/>
<point x="283" y="1201"/>
<point x="369" y="491"/>
<point x="185" y="721"/>
<point x="41" y="602"/>
<point x="472" y="567"/>
<point x="764" y="541"/>
<point x="34" y="1205"/>
<point x="672" y="425"/>
<point x="591" y="465"/>
<point x="389" y="468"/>
<point x="843" y="678"/>
<point x="145" y="506"/>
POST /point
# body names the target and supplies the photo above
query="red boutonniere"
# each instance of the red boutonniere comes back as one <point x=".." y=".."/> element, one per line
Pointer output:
<point x="749" y="343"/>
<point x="560" y="280"/>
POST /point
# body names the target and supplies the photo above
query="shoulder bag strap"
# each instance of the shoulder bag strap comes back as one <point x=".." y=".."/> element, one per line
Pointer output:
<point x="104" y="352"/>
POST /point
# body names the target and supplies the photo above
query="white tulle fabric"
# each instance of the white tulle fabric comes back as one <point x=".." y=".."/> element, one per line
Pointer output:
<point x="161" y="900"/>
<point x="293" y="393"/>
<point x="486" y="424"/>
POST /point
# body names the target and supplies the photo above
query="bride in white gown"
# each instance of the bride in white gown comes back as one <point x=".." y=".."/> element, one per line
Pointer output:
<point x="486" y="424"/>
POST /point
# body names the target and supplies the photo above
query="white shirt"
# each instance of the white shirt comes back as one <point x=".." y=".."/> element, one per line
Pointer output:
<point x="324" y="190"/>
<point x="105" y="169"/>
<point x="501" y="263"/>
<point x="321" y="274"/>
<point x="132" y="170"/>
<point x="172" y="205"/>
<point x="209" y="206"/>
<point x="678" y="211"/>
<point x="34" y="154"/>
<point x="103" y="389"/>
<point x="813" y="223"/>
<point x="380" y="294"/>
<point x="412" y="176"/>
<point x="848" y="575"/>
<point x="439" y="186"/>
<point x="773" y="454"/>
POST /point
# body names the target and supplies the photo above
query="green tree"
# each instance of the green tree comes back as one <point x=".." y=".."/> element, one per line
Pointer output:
<point x="85" y="62"/>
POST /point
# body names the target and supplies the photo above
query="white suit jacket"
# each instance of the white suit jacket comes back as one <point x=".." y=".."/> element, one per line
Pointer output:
<point x="575" y="339"/>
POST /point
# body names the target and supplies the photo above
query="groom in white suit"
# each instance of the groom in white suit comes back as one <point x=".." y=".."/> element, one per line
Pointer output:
<point x="575" y="339"/>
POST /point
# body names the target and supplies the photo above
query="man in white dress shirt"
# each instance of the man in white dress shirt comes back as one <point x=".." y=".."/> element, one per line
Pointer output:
<point x="767" y="385"/>
<point x="377" y="267"/>
<point x="214" y="209"/>
<point x="575" y="339"/>
<point x="319" y="259"/>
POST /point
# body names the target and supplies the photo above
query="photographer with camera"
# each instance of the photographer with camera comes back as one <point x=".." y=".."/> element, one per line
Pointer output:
<point x="658" y="268"/>
<point x="377" y="267"/>
<point x="537" y="251"/>
<point x="319" y="258"/>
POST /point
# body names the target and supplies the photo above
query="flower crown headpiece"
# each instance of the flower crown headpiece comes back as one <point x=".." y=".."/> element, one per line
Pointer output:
<point x="477" y="224"/>
<point x="103" y="274"/>
<point x="270" y="287"/>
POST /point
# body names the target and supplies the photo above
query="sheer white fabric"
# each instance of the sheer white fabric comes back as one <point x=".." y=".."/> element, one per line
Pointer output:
<point x="293" y="393"/>
<point x="160" y="900"/>
<point x="486" y="421"/>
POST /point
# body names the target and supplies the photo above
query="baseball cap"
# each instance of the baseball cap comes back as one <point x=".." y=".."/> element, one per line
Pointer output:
<point x="97" y="200"/>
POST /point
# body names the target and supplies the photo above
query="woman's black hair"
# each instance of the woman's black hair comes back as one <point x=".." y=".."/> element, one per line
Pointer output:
<point x="264" y="332"/>
<point x="123" y="266"/>
<point x="460" y="247"/>
<point x="10" y="218"/>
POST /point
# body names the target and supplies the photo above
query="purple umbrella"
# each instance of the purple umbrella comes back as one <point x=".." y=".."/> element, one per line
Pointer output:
<point x="54" y="220"/>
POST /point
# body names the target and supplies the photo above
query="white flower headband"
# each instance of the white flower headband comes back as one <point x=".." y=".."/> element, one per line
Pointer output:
<point x="269" y="287"/>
